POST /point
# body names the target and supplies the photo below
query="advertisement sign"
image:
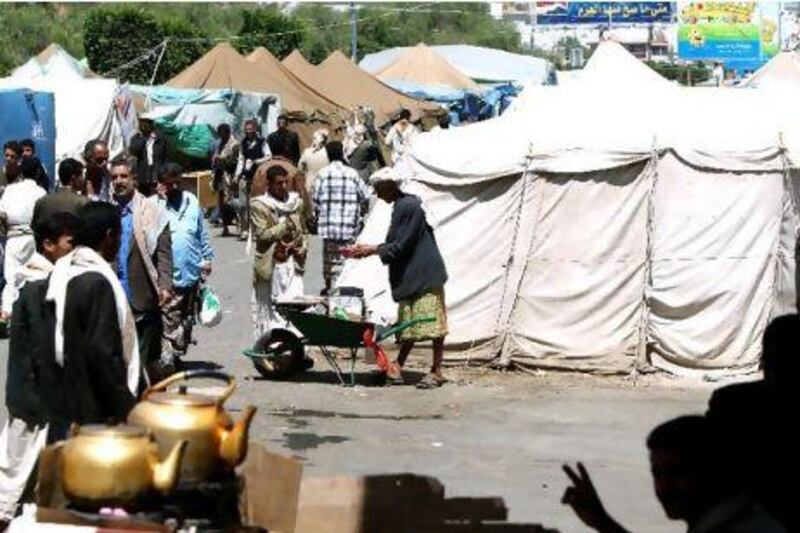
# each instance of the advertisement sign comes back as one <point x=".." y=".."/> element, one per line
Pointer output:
<point x="720" y="31"/>
<point x="603" y="12"/>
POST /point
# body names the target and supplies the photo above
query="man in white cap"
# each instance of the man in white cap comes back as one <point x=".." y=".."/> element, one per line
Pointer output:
<point x="417" y="274"/>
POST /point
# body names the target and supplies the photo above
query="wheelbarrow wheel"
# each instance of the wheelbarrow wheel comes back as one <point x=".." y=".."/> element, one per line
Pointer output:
<point x="289" y="360"/>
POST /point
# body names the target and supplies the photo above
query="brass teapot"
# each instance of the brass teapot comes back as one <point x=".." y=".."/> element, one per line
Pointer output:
<point x="115" y="465"/>
<point x="216" y="443"/>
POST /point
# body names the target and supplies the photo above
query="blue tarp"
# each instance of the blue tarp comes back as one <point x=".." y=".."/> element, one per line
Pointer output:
<point x="26" y="114"/>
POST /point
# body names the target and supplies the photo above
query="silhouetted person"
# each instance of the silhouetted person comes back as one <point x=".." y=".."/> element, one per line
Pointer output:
<point x="686" y="481"/>
<point x="754" y="424"/>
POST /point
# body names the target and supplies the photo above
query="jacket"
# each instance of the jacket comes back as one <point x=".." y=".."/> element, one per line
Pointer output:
<point x="144" y="289"/>
<point x="415" y="263"/>
<point x="138" y="148"/>
<point x="268" y="232"/>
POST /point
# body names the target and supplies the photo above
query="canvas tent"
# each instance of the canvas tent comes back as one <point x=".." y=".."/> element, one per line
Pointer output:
<point x="669" y="245"/>
<point x="421" y="70"/>
<point x="86" y="108"/>
<point x="343" y="81"/>
<point x="782" y="72"/>
<point x="483" y="65"/>
<point x="223" y="68"/>
<point x="52" y="61"/>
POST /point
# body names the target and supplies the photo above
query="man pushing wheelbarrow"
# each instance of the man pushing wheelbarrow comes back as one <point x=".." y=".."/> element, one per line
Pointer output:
<point x="417" y="276"/>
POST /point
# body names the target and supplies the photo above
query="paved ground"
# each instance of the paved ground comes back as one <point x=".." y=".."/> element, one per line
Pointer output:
<point x="486" y="434"/>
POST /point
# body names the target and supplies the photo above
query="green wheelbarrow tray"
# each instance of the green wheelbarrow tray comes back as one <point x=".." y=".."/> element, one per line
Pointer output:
<point x="323" y="330"/>
<point x="327" y="332"/>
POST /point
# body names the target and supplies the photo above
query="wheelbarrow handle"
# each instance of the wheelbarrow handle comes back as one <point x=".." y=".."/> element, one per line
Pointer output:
<point x="401" y="326"/>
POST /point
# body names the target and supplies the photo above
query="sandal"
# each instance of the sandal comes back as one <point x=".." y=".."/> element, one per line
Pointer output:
<point x="431" y="381"/>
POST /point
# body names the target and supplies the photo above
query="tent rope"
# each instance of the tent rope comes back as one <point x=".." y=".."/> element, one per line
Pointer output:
<point x="644" y="317"/>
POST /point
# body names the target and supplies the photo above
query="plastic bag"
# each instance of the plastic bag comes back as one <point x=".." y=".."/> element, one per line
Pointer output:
<point x="210" y="308"/>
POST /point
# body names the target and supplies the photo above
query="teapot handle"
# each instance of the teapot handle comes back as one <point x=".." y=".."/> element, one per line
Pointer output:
<point x="190" y="374"/>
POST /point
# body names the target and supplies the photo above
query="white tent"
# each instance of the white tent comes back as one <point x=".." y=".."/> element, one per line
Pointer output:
<point x="86" y="107"/>
<point x="615" y="223"/>
<point x="781" y="73"/>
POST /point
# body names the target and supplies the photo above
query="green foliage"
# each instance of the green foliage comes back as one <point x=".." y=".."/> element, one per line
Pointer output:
<point x="387" y="25"/>
<point x="185" y="46"/>
<point x="115" y="36"/>
<point x="111" y="35"/>
<point x="268" y="27"/>
<point x="684" y="74"/>
<point x="27" y="29"/>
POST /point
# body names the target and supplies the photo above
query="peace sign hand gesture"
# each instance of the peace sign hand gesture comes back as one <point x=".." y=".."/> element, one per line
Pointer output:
<point x="583" y="498"/>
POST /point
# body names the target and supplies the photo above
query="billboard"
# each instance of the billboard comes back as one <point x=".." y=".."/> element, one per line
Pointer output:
<point x="723" y="31"/>
<point x="603" y="12"/>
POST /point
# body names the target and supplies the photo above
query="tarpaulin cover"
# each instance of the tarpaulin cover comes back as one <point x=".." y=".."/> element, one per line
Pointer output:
<point x="26" y="114"/>
<point x="189" y="117"/>
<point x="626" y="223"/>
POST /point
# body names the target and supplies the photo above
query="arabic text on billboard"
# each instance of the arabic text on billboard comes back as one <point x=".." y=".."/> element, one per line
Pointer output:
<point x="603" y="12"/>
<point x="720" y="31"/>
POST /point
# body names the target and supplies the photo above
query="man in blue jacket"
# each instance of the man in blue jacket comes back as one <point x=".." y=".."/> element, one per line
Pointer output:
<point x="191" y="261"/>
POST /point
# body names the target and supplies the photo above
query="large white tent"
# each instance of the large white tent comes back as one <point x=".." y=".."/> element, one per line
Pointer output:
<point x="87" y="107"/>
<point x="620" y="222"/>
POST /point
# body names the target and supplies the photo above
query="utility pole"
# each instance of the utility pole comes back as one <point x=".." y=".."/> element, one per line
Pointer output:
<point x="353" y="33"/>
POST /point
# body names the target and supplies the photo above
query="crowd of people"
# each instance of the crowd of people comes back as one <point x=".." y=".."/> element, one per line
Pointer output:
<point x="102" y="269"/>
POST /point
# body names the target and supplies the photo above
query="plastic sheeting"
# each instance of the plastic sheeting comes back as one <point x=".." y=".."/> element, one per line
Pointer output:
<point x="26" y="114"/>
<point x="189" y="117"/>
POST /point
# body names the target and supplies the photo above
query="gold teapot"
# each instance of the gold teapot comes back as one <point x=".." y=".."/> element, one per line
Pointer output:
<point x="115" y="465"/>
<point x="216" y="443"/>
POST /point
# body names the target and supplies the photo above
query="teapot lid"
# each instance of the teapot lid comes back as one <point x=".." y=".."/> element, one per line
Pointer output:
<point x="120" y="431"/>
<point x="182" y="399"/>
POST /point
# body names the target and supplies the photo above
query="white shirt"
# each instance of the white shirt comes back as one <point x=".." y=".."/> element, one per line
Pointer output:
<point x="151" y="140"/>
<point x="18" y="201"/>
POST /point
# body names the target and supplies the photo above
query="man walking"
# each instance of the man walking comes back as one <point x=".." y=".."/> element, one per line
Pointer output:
<point x="224" y="159"/>
<point x="144" y="262"/>
<point x="150" y="150"/>
<point x="283" y="142"/>
<point x="191" y="261"/>
<point x="98" y="177"/>
<point x="341" y="199"/>
<point x="254" y="151"/>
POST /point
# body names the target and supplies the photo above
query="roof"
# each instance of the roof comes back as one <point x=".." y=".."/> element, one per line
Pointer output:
<point x="484" y="65"/>
<point x="422" y="66"/>
<point x="298" y="64"/>
<point x="223" y="68"/>
<point x="783" y="70"/>
<point x="344" y="82"/>
<point x="53" y="61"/>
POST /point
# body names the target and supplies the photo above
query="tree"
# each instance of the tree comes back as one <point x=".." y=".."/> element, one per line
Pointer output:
<point x="113" y="37"/>
<point x="268" y="27"/>
<point x="185" y="46"/>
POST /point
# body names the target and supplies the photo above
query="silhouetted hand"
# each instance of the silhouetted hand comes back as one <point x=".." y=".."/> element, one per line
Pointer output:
<point x="583" y="498"/>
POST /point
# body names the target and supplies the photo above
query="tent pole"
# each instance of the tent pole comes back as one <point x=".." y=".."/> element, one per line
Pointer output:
<point x="353" y="33"/>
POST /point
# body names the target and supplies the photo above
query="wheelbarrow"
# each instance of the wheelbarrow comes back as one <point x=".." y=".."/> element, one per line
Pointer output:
<point x="281" y="353"/>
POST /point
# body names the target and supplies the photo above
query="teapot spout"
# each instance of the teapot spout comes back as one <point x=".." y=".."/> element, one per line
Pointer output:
<point x="165" y="473"/>
<point x="233" y="448"/>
